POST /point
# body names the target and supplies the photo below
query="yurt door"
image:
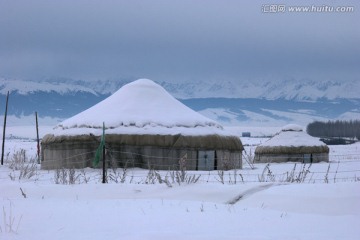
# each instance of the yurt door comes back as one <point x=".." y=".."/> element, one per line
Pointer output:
<point x="206" y="160"/>
<point x="307" y="158"/>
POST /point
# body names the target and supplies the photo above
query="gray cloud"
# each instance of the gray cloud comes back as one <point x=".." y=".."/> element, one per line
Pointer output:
<point x="175" y="40"/>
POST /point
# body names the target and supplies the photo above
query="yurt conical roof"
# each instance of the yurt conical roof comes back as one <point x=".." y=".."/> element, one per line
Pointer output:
<point x="292" y="139"/>
<point x="140" y="112"/>
<point x="140" y="103"/>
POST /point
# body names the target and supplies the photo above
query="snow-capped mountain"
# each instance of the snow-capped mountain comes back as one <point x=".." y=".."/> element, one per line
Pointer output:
<point x="61" y="86"/>
<point x="289" y="89"/>
<point x="31" y="87"/>
<point x="230" y="103"/>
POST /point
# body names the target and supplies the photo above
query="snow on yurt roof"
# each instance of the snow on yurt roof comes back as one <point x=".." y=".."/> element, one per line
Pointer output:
<point x="292" y="127"/>
<point x="140" y="107"/>
<point x="292" y="136"/>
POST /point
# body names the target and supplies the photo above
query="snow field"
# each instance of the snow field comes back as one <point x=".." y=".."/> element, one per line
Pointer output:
<point x="202" y="210"/>
<point x="148" y="212"/>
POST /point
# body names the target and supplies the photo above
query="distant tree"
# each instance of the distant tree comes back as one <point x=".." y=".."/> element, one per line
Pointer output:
<point x="344" y="129"/>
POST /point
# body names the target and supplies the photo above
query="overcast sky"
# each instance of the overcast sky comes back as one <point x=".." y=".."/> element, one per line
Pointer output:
<point x="177" y="40"/>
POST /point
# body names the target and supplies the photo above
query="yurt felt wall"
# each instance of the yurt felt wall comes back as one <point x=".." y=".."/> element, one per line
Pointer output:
<point x="307" y="154"/>
<point x="161" y="152"/>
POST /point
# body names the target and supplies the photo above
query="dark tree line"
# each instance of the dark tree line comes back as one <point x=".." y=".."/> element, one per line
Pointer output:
<point x="342" y="129"/>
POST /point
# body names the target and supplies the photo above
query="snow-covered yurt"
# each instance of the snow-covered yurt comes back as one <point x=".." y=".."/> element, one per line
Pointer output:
<point x="144" y="127"/>
<point x="292" y="144"/>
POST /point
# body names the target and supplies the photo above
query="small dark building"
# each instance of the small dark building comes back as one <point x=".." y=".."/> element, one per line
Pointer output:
<point x="246" y="134"/>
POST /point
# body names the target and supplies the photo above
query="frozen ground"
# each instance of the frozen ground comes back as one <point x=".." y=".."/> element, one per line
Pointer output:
<point x="251" y="203"/>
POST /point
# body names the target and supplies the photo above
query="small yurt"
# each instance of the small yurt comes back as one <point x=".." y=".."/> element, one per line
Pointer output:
<point x="292" y="144"/>
<point x="145" y="127"/>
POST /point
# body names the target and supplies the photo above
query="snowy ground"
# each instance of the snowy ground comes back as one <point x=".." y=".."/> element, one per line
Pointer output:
<point x="250" y="203"/>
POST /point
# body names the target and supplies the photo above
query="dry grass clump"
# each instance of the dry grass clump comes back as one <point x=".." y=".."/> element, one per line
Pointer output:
<point x="23" y="168"/>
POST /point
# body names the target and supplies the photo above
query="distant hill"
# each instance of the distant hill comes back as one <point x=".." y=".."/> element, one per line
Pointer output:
<point x="246" y="103"/>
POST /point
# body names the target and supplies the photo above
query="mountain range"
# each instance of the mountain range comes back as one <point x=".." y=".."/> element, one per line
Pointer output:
<point x="246" y="103"/>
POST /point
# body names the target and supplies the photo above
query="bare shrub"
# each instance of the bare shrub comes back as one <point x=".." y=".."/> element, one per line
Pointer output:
<point x="182" y="167"/>
<point x="303" y="174"/>
<point x="65" y="176"/>
<point x="226" y="163"/>
<point x="118" y="176"/>
<point x="181" y="176"/>
<point x="18" y="160"/>
<point x="221" y="176"/>
<point x="83" y="176"/>
<point x="167" y="182"/>
<point x="192" y="179"/>
<point x="233" y="177"/>
<point x="337" y="168"/>
<point x="161" y="180"/>
<point x="241" y="177"/>
<point x="154" y="177"/>
<point x="29" y="170"/>
<point x="12" y="177"/>
<point x="290" y="176"/>
<point x="60" y="176"/>
<point x="19" y="164"/>
<point x="23" y="193"/>
<point x="267" y="175"/>
<point x="249" y="158"/>
<point x="326" y="178"/>
<point x="151" y="177"/>
<point x="10" y="225"/>
<point x="72" y="176"/>
<point x="299" y="177"/>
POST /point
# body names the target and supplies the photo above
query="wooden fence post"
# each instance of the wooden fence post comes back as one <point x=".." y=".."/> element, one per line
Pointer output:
<point x="37" y="138"/>
<point x="3" y="143"/>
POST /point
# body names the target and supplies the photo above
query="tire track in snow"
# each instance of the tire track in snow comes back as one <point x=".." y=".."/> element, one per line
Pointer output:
<point x="249" y="192"/>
